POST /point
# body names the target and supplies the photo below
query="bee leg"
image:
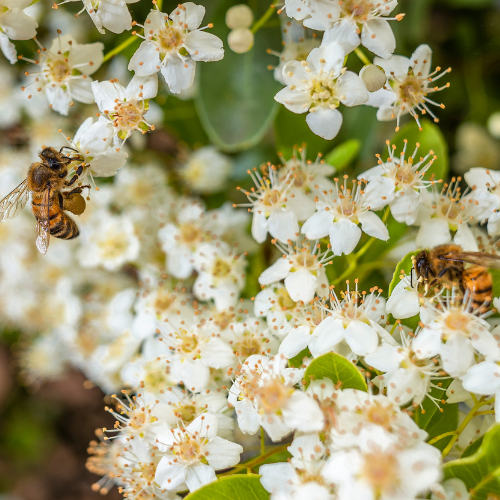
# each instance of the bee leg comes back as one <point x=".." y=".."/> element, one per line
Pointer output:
<point x="78" y="189"/>
<point x="443" y="272"/>
<point x="75" y="177"/>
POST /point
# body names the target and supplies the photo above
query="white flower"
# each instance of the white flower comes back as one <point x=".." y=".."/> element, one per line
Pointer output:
<point x="125" y="108"/>
<point x="449" y="210"/>
<point x="316" y="14"/>
<point x="309" y="180"/>
<point x="221" y="274"/>
<point x="284" y="481"/>
<point x="93" y="143"/>
<point x="275" y="304"/>
<point x="110" y="14"/>
<point x="197" y="349"/>
<point x="318" y="85"/>
<point x="15" y="25"/>
<point x="406" y="377"/>
<point x="451" y="489"/>
<point x="364" y="22"/>
<point x="64" y="72"/>
<point x="264" y="394"/>
<point x="380" y="469"/>
<point x="456" y="334"/>
<point x="487" y="182"/>
<point x="172" y="44"/>
<point x="400" y="181"/>
<point x="193" y="454"/>
<point x="353" y="320"/>
<point x="408" y="84"/>
<point x="206" y="170"/>
<point x="108" y="241"/>
<point x="340" y="213"/>
<point x="269" y="206"/>
<point x="302" y="268"/>
<point x="484" y="378"/>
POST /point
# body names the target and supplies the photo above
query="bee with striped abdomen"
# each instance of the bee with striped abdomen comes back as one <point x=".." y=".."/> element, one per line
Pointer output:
<point x="444" y="264"/>
<point x="47" y="182"/>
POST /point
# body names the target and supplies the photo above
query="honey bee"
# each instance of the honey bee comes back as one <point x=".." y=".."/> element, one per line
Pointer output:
<point x="47" y="183"/>
<point x="444" y="264"/>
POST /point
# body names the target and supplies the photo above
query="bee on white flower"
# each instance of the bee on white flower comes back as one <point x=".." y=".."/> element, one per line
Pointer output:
<point x="355" y="318"/>
<point x="264" y="394"/>
<point x="205" y="170"/>
<point x="457" y="333"/>
<point x="379" y="467"/>
<point x="173" y="44"/>
<point x="64" y="71"/>
<point x="407" y="87"/>
<point x="269" y="205"/>
<point x="303" y="269"/>
<point x="108" y="241"/>
<point x="310" y="179"/>
<point x="15" y="25"/>
<point x="400" y="181"/>
<point x="405" y="377"/>
<point x="318" y="86"/>
<point x="363" y="22"/>
<point x="110" y="14"/>
<point x="340" y="213"/>
<point x="125" y="107"/>
<point x="192" y="454"/>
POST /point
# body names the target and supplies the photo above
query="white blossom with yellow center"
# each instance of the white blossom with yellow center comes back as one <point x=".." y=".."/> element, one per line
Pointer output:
<point x="173" y="44"/>
<point x="193" y="453"/>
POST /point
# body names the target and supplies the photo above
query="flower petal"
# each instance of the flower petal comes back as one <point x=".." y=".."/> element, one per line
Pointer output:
<point x="203" y="46"/>
<point x="344" y="236"/>
<point x="325" y="122"/>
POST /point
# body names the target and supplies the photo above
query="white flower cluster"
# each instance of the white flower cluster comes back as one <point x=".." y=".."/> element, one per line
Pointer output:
<point x="317" y="80"/>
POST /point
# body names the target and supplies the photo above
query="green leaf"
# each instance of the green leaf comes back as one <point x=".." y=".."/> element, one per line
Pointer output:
<point x="291" y="130"/>
<point x="430" y="414"/>
<point x="343" y="154"/>
<point x="472" y="448"/>
<point x="296" y="361"/>
<point x="403" y="265"/>
<point x="236" y="98"/>
<point x="481" y="471"/>
<point x="430" y="139"/>
<point x="237" y="487"/>
<point x="445" y="421"/>
<point x="338" y="369"/>
<point x="495" y="274"/>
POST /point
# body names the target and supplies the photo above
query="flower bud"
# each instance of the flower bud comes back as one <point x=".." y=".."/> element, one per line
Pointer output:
<point x="239" y="16"/>
<point x="373" y="76"/>
<point x="494" y="125"/>
<point x="240" y="40"/>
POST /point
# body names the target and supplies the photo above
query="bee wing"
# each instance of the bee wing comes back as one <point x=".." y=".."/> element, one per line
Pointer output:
<point x="42" y="228"/>
<point x="11" y="205"/>
<point x="488" y="260"/>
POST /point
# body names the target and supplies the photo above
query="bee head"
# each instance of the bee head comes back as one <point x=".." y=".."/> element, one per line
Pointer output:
<point x="53" y="158"/>
<point x="421" y="262"/>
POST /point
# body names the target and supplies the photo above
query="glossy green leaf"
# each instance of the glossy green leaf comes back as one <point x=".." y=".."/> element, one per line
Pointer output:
<point x="403" y="265"/>
<point x="472" y="448"/>
<point x="342" y="155"/>
<point x="430" y="139"/>
<point x="235" y="101"/>
<point x="297" y="361"/>
<point x="338" y="369"/>
<point x="481" y="471"/>
<point x="445" y="421"/>
<point x="495" y="274"/>
<point x="292" y="130"/>
<point x="430" y="415"/>
<point x="237" y="487"/>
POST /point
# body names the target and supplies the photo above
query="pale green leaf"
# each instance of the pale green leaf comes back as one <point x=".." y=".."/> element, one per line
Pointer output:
<point x="342" y="155"/>
<point x="237" y="487"/>
<point x="338" y="369"/>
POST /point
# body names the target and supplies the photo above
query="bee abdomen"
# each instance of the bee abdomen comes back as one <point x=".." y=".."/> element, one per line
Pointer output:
<point x="62" y="226"/>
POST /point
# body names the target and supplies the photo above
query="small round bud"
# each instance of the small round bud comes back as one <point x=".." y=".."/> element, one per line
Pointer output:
<point x="494" y="125"/>
<point x="373" y="76"/>
<point x="239" y="16"/>
<point x="240" y="40"/>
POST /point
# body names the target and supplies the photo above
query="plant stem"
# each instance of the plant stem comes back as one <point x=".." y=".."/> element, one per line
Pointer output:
<point x="257" y="461"/>
<point x="120" y="47"/>
<point x="262" y="441"/>
<point x="361" y="56"/>
<point x="260" y="22"/>
<point x="464" y="424"/>
<point x="441" y="436"/>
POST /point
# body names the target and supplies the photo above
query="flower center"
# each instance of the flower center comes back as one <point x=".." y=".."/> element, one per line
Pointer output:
<point x="272" y="395"/>
<point x="156" y="376"/>
<point x="380" y="415"/>
<point x="271" y="197"/>
<point x="248" y="345"/>
<point x="284" y="300"/>
<point x="57" y="69"/>
<point x="113" y="246"/>
<point x="169" y="39"/>
<point x="221" y="268"/>
<point x="190" y="233"/>
<point x="187" y="343"/>
<point x="163" y="301"/>
<point x="128" y="115"/>
<point x="380" y="470"/>
<point x="305" y="259"/>
<point x="185" y="412"/>
<point x="358" y="10"/>
<point x="322" y="90"/>
<point x="457" y="320"/>
<point x="410" y="90"/>
<point x="188" y="450"/>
